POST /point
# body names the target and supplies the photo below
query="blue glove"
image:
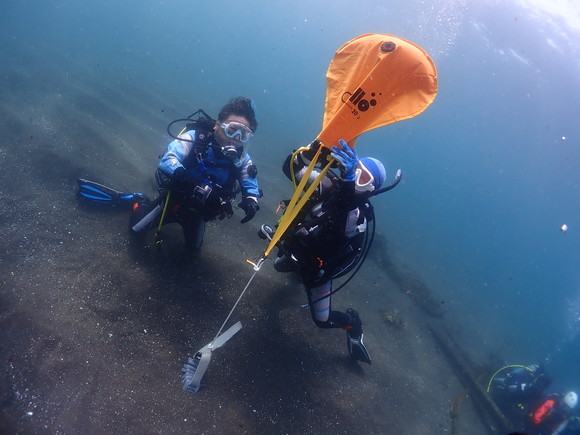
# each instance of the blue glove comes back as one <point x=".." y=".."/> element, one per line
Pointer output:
<point x="347" y="157"/>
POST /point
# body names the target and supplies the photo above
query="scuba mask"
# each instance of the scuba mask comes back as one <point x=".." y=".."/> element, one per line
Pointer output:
<point x="370" y="175"/>
<point x="240" y="133"/>
<point x="237" y="131"/>
<point x="363" y="179"/>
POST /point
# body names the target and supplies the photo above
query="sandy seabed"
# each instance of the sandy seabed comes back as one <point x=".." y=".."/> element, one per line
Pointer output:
<point x="96" y="326"/>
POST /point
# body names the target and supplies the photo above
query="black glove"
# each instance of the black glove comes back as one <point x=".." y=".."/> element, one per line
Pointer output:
<point x="250" y="206"/>
<point x="309" y="153"/>
<point x="211" y="204"/>
<point x="226" y="210"/>
<point x="181" y="180"/>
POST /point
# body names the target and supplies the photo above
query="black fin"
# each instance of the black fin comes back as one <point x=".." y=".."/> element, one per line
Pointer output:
<point x="357" y="349"/>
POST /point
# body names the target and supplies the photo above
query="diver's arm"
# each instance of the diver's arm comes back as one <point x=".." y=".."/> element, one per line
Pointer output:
<point x="350" y="211"/>
<point x="301" y="159"/>
<point x="248" y="179"/>
<point x="175" y="154"/>
<point x="250" y="190"/>
<point x="286" y="166"/>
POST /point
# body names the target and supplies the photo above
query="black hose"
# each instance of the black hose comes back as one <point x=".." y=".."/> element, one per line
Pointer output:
<point x="366" y="248"/>
<point x="199" y="112"/>
<point x="391" y="186"/>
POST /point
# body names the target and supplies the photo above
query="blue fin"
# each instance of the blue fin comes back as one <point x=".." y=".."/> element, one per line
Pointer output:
<point x="105" y="195"/>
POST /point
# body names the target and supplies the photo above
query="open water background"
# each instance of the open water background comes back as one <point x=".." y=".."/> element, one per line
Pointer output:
<point x="491" y="169"/>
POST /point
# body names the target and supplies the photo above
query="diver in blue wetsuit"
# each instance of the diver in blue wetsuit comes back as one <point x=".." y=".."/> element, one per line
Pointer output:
<point x="200" y="173"/>
<point x="327" y="240"/>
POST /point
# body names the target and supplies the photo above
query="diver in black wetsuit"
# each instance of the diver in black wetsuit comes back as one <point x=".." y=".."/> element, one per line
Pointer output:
<point x="518" y="388"/>
<point x="327" y="239"/>
<point x="554" y="414"/>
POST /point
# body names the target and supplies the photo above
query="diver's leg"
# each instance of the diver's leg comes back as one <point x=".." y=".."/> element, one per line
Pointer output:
<point x="193" y="231"/>
<point x="325" y="317"/>
<point x="320" y="308"/>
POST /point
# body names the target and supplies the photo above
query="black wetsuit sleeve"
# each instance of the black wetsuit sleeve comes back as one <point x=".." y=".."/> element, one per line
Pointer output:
<point x="347" y="199"/>
<point x="301" y="161"/>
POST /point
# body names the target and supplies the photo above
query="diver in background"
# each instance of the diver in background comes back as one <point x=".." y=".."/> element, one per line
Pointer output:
<point x="553" y="415"/>
<point x="519" y="389"/>
<point x="326" y="240"/>
<point x="201" y="171"/>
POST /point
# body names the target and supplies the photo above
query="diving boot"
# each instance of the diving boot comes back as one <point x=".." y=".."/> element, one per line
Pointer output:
<point x="266" y="232"/>
<point x="354" y="338"/>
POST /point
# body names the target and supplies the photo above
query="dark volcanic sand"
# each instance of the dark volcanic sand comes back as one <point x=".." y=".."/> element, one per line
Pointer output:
<point x="95" y="326"/>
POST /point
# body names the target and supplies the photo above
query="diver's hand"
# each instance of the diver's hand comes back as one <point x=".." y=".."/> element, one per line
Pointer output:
<point x="347" y="157"/>
<point x="310" y="151"/>
<point x="213" y="206"/>
<point x="226" y="210"/>
<point x="250" y="206"/>
<point x="181" y="180"/>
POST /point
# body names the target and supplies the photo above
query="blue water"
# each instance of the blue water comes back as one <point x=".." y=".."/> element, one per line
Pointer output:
<point x="491" y="169"/>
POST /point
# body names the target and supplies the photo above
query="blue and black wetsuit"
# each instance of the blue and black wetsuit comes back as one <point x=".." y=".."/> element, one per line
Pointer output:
<point x="221" y="171"/>
<point x="208" y="184"/>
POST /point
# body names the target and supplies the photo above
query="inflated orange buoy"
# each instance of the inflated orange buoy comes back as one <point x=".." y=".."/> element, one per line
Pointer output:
<point x="372" y="81"/>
